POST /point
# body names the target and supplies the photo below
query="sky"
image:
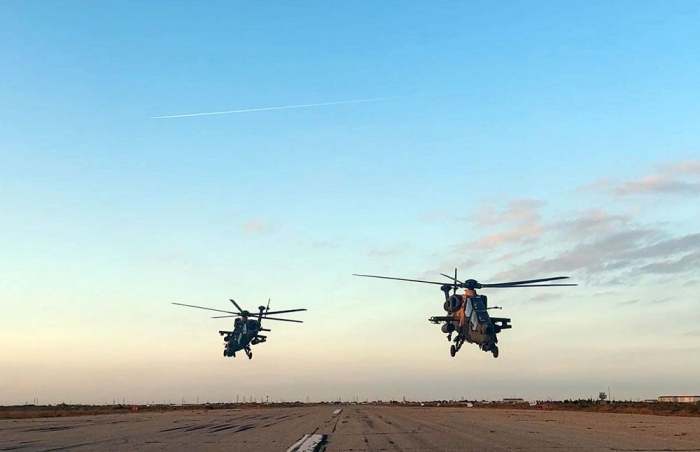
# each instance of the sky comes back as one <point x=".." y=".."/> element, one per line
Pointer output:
<point x="510" y="140"/>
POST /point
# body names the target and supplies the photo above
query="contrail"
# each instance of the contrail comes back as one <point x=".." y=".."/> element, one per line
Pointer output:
<point x="285" y="107"/>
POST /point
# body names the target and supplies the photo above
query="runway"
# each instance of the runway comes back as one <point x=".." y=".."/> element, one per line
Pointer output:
<point x="354" y="428"/>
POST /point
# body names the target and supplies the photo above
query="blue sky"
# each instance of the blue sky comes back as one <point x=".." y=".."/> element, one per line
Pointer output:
<point x="524" y="139"/>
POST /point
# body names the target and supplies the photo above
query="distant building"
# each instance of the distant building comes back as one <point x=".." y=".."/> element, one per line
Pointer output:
<point x="680" y="398"/>
<point x="513" y="400"/>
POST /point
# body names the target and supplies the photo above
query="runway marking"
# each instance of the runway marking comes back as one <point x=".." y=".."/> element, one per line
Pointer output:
<point x="309" y="443"/>
<point x="337" y="411"/>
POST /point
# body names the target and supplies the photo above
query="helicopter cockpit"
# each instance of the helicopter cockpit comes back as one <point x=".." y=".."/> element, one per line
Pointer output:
<point x="476" y="310"/>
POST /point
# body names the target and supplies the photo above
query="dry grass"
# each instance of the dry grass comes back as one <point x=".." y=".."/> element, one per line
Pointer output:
<point x="659" y="409"/>
<point x="63" y="410"/>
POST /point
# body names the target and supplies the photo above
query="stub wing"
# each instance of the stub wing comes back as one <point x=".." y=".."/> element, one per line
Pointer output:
<point x="441" y="318"/>
<point x="501" y="323"/>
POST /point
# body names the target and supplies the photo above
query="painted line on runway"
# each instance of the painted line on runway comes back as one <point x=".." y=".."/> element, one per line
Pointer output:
<point x="309" y="443"/>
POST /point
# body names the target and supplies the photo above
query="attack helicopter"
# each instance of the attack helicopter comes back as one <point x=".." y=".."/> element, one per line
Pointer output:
<point x="246" y="327"/>
<point x="468" y="313"/>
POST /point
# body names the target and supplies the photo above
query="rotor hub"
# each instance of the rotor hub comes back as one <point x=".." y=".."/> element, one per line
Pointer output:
<point x="471" y="284"/>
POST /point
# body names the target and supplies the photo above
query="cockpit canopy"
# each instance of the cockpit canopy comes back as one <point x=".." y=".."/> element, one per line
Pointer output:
<point x="476" y="310"/>
<point x="247" y="325"/>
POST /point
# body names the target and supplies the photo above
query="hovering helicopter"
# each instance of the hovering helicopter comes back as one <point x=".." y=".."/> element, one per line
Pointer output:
<point x="246" y="327"/>
<point x="467" y="314"/>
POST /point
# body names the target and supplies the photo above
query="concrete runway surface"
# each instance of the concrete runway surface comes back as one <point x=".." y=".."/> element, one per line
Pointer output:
<point x="354" y="428"/>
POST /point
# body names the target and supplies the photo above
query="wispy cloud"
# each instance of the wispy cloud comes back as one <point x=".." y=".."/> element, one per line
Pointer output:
<point x="257" y="226"/>
<point x="592" y="223"/>
<point x="380" y="253"/>
<point x="630" y="251"/>
<point x="284" y="107"/>
<point x="691" y="167"/>
<point x="681" y="265"/>
<point x="543" y="298"/>
<point x="692" y="333"/>
<point x="448" y="267"/>
<point x="517" y="211"/>
<point x="658" y="185"/>
<point x="517" y="234"/>
<point x="679" y="179"/>
<point x="629" y="302"/>
<point x="521" y="219"/>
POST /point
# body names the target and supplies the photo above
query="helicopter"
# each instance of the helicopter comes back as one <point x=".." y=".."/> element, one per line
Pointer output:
<point x="468" y="313"/>
<point x="246" y="327"/>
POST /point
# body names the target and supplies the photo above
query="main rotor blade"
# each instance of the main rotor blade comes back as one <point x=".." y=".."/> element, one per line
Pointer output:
<point x="240" y="309"/>
<point x="283" y="320"/>
<point x="489" y="286"/>
<point x="202" y="307"/>
<point x="224" y="316"/>
<point x="404" y="279"/>
<point x="452" y="277"/>
<point x="283" y="312"/>
<point x="528" y="281"/>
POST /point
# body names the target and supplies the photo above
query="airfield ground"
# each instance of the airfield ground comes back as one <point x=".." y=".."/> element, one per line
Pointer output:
<point x="354" y="428"/>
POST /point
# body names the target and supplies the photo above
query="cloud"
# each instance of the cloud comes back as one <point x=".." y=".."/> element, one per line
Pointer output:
<point x="522" y="233"/>
<point x="691" y="167"/>
<point x="648" y="301"/>
<point x="668" y="247"/>
<point x="591" y="223"/>
<point x="684" y="264"/>
<point x="448" y="267"/>
<point x="543" y="298"/>
<point x="518" y="211"/>
<point x="380" y="253"/>
<point x="657" y="185"/>
<point x="602" y="254"/>
<point x="679" y="179"/>
<point x="521" y="219"/>
<point x="692" y="333"/>
<point x="257" y="226"/>
<point x="597" y="244"/>
<point x="618" y="255"/>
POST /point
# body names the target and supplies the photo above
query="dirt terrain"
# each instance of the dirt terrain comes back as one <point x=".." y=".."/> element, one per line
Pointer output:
<point x="354" y="428"/>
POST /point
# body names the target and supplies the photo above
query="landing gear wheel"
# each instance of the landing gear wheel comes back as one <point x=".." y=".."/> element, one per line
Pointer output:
<point x="494" y="351"/>
<point x="453" y="350"/>
<point x="250" y="355"/>
<point x="225" y="354"/>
